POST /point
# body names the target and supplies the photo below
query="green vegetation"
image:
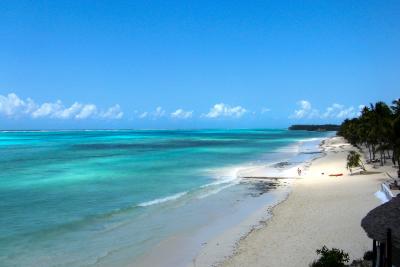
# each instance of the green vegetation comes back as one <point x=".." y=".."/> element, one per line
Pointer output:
<point x="331" y="258"/>
<point x="323" y="127"/>
<point x="378" y="128"/>
<point x="354" y="161"/>
<point x="338" y="258"/>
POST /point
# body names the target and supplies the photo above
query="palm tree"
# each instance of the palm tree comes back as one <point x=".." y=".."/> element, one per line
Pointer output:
<point x="396" y="107"/>
<point x="378" y="128"/>
<point x="366" y="132"/>
<point x="383" y="115"/>
<point x="396" y="142"/>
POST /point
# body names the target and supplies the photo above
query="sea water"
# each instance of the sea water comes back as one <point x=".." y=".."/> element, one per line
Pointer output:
<point x="83" y="198"/>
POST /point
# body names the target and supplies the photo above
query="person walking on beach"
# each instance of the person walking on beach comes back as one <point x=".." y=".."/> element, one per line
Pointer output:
<point x="299" y="171"/>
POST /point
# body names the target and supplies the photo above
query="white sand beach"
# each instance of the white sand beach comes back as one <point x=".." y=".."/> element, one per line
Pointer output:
<point x="321" y="210"/>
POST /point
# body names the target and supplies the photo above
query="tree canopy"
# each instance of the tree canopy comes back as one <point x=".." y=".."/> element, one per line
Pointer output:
<point x="377" y="128"/>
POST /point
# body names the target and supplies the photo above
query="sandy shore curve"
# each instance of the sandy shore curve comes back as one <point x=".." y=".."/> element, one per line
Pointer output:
<point x="321" y="210"/>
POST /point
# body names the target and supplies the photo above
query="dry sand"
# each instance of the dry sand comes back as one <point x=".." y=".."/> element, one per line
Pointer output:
<point x="321" y="210"/>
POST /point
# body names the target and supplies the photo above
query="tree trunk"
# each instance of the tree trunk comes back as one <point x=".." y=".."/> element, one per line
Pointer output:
<point x="384" y="156"/>
<point x="398" y="165"/>
<point x="394" y="156"/>
<point x="369" y="151"/>
<point x="373" y="152"/>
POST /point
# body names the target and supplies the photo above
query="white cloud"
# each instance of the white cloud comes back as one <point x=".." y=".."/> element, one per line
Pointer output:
<point x="339" y="111"/>
<point x="346" y="113"/>
<point x="143" y="115"/>
<point x="71" y="111"/>
<point x="157" y="113"/>
<point x="160" y="112"/>
<point x="222" y="110"/>
<point x="48" y="110"/>
<point x="332" y="111"/>
<point x="335" y="111"/>
<point x="265" y="110"/>
<point x="113" y="112"/>
<point x="305" y="104"/>
<point x="87" y="111"/>
<point x="13" y="106"/>
<point x="30" y="106"/>
<point x="304" y="111"/>
<point x="181" y="114"/>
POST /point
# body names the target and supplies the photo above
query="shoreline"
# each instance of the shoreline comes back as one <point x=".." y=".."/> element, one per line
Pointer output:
<point x="246" y="216"/>
<point x="224" y="246"/>
<point x="278" y="240"/>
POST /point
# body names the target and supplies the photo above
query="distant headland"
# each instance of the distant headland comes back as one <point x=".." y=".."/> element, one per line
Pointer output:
<point x="315" y="127"/>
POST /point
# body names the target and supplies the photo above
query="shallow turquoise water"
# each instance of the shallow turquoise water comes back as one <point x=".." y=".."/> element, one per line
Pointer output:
<point x="70" y="192"/>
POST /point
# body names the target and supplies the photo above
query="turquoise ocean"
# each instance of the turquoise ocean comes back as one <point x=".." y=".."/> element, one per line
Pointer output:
<point x="108" y="197"/>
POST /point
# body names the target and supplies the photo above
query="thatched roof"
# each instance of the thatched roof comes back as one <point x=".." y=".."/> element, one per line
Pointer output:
<point x="381" y="218"/>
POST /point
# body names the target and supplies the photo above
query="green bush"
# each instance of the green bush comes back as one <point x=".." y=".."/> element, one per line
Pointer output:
<point x="330" y="258"/>
<point x="354" y="160"/>
<point x="368" y="256"/>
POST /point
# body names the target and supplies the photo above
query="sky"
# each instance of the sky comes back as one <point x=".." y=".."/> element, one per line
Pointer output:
<point x="194" y="64"/>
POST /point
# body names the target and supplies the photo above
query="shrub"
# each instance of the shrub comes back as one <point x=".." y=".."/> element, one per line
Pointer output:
<point x="368" y="256"/>
<point x="354" y="160"/>
<point x="330" y="258"/>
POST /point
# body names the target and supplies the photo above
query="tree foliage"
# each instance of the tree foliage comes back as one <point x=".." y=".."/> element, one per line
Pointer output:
<point x="354" y="160"/>
<point x="378" y="129"/>
<point x="331" y="258"/>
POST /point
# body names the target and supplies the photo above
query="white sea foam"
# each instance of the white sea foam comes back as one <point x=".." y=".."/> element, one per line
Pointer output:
<point x="313" y="139"/>
<point x="218" y="182"/>
<point x="231" y="173"/>
<point x="162" y="200"/>
<point x="215" y="191"/>
<point x="224" y="178"/>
